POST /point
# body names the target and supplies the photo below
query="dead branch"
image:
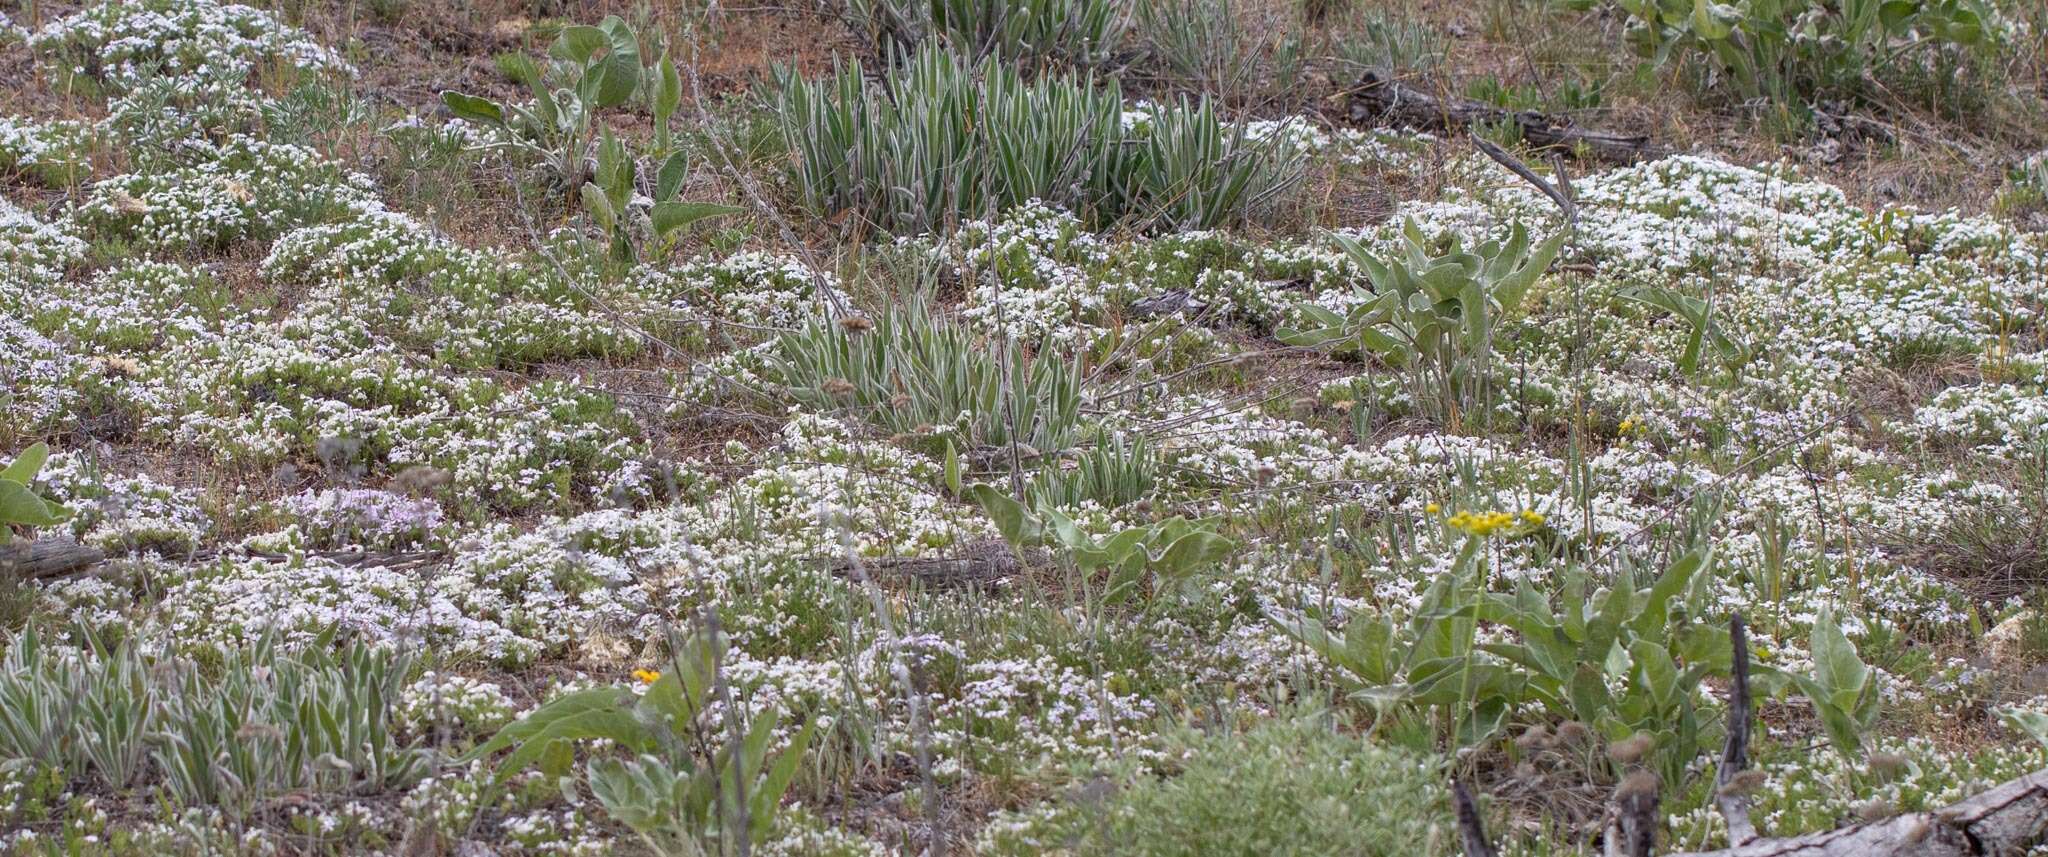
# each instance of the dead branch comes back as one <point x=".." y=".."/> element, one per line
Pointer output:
<point x="46" y="558"/>
<point x="2007" y="821"/>
<point x="1382" y="99"/>
<point x="1633" y="819"/>
<point x="1730" y="796"/>
<point x="1470" y="831"/>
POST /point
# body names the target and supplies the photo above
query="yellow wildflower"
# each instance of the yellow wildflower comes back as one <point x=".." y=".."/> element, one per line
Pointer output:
<point x="1488" y="524"/>
<point x="646" y="676"/>
<point x="1432" y="509"/>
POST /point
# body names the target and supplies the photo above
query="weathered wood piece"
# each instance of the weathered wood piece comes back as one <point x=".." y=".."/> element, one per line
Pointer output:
<point x="1470" y="831"/>
<point x="1730" y="797"/>
<point x="46" y="558"/>
<point x="2007" y="821"/>
<point x="1384" y="99"/>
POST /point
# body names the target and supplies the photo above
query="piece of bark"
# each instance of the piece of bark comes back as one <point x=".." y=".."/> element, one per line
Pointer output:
<point x="2007" y="821"/>
<point x="46" y="558"/>
<point x="1168" y="302"/>
<point x="1470" y="831"/>
<point x="1382" y="99"/>
<point x="1729" y="797"/>
<point x="1633" y="820"/>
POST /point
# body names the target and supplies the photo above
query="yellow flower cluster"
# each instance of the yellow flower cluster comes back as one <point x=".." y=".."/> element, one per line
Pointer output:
<point x="646" y="676"/>
<point x="1485" y="524"/>
<point x="1629" y="426"/>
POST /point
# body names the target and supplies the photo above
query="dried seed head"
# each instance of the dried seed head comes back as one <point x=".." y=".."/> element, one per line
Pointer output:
<point x="1638" y="783"/>
<point x="421" y="480"/>
<point x="1572" y="733"/>
<point x="1303" y="406"/>
<point x="1533" y="739"/>
<point x="899" y="401"/>
<point x="510" y="29"/>
<point x="120" y="366"/>
<point x="1916" y="829"/>
<point x="1887" y="765"/>
<point x="1632" y="749"/>
<point x="1876" y="809"/>
<point x="127" y="203"/>
<point x="838" y="387"/>
<point x="856" y="323"/>
<point x="1343" y="407"/>
<point x="1745" y="782"/>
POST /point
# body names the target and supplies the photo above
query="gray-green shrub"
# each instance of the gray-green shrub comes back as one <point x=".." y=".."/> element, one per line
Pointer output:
<point x="1291" y="786"/>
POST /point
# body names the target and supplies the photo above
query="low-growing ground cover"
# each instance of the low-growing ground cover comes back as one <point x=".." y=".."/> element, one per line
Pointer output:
<point x="603" y="457"/>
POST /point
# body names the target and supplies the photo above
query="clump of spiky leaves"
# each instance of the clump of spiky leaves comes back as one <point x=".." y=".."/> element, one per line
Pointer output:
<point x="254" y="724"/>
<point x="1113" y="471"/>
<point x="1031" y="32"/>
<point x="1222" y="48"/>
<point x="943" y="139"/>
<point x="917" y="375"/>
<point x="1390" y="43"/>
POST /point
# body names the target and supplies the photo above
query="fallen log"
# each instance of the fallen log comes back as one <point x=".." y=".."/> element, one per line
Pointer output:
<point x="1382" y="99"/>
<point x="46" y="558"/>
<point x="2007" y="821"/>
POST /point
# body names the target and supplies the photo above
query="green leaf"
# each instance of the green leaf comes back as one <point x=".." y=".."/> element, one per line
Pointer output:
<point x="2032" y="724"/>
<point x="19" y="505"/>
<point x="671" y="215"/>
<point x="1709" y="20"/>
<point x="668" y="180"/>
<point x="543" y="721"/>
<point x="1017" y="525"/>
<point x="27" y="464"/>
<point x="472" y="108"/>
<point x="768" y="794"/>
<point x="619" y="71"/>
<point x="1836" y="665"/>
<point x="578" y="43"/>
<point x="600" y="206"/>
<point x="668" y="90"/>
<point x="1193" y="551"/>
<point x="1658" y="670"/>
<point x="1656" y="611"/>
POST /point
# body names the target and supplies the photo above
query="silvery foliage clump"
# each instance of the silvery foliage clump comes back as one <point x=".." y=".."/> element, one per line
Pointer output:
<point x="943" y="139"/>
<point x="1081" y="33"/>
